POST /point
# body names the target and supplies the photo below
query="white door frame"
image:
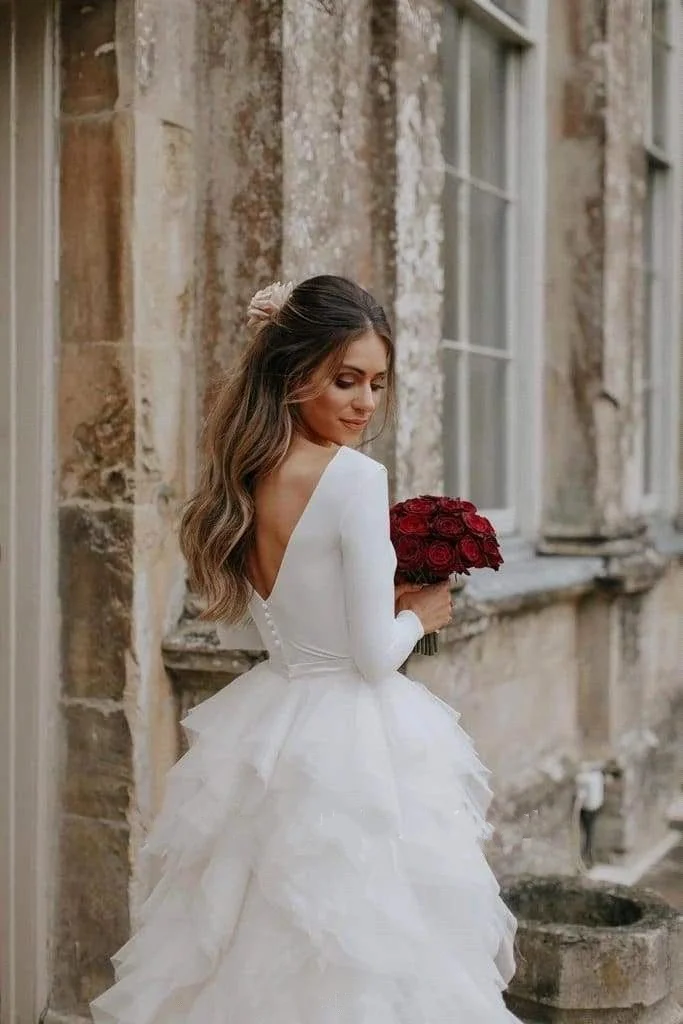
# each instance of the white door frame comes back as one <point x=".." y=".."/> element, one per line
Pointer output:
<point x="29" y="662"/>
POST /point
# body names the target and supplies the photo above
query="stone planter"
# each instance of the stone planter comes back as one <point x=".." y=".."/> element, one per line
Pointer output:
<point x="591" y="953"/>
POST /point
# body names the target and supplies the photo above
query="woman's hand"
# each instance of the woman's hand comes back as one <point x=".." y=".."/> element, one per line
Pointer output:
<point x="404" y="588"/>
<point x="432" y="604"/>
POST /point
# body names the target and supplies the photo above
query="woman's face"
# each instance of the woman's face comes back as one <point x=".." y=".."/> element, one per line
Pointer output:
<point x="343" y="410"/>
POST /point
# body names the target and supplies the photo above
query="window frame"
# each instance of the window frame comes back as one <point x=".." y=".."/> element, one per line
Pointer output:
<point x="663" y="330"/>
<point x="526" y="135"/>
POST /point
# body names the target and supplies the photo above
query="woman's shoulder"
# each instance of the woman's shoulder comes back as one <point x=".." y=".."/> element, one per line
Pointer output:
<point x="364" y="465"/>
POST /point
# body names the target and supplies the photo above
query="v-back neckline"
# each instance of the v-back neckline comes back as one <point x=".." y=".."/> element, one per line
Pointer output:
<point x="295" y="529"/>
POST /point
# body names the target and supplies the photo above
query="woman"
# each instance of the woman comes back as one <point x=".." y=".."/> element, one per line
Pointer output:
<point x="321" y="838"/>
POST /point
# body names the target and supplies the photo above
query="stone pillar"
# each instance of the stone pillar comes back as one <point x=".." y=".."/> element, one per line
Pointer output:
<point x="96" y="516"/>
<point x="362" y="113"/>
<point x="596" y="191"/>
<point x="419" y="271"/>
<point x="126" y="406"/>
<point x="158" y="87"/>
<point x="327" y="186"/>
<point x="239" y="168"/>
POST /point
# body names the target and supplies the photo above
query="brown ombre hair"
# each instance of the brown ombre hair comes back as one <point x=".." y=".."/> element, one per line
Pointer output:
<point x="250" y="427"/>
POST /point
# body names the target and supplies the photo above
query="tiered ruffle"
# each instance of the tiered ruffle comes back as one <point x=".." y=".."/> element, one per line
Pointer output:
<point x="321" y="864"/>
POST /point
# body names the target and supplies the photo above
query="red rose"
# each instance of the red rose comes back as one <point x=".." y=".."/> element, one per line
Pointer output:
<point x="423" y="505"/>
<point x="451" y="505"/>
<point x="448" y="525"/>
<point x="470" y="551"/>
<point x="412" y="526"/>
<point x="410" y="553"/>
<point x="478" y="524"/>
<point x="492" y="552"/>
<point x="439" y="557"/>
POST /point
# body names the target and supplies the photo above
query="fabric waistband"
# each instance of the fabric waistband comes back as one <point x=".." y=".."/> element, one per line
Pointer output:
<point x="305" y="669"/>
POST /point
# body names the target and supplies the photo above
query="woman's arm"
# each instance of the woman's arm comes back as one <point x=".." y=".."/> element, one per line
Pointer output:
<point x="380" y="640"/>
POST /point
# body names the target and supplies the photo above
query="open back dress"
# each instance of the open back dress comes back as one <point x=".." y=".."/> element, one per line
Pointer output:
<point x="321" y="840"/>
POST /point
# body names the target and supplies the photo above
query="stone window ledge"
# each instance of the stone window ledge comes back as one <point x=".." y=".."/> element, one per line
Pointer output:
<point x="196" y="661"/>
<point x="530" y="579"/>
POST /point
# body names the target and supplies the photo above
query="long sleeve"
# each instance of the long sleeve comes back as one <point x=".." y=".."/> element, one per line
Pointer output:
<point x="380" y="641"/>
<point x="240" y="637"/>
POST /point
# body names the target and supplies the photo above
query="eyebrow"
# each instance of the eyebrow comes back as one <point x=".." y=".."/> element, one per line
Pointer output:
<point x="356" y="369"/>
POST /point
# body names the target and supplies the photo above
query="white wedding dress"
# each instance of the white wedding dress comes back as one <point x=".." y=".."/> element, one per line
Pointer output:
<point x="321" y="837"/>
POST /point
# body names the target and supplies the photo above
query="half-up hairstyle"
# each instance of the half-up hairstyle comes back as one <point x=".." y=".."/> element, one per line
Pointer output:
<point x="250" y="427"/>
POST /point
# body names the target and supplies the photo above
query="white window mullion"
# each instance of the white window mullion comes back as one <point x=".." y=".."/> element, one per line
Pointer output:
<point x="657" y="437"/>
<point x="672" y="410"/>
<point x="464" y="193"/>
<point x="511" y="270"/>
<point x="659" y="312"/>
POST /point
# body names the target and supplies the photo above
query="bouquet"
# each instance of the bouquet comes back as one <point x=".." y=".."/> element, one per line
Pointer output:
<point x="436" y="537"/>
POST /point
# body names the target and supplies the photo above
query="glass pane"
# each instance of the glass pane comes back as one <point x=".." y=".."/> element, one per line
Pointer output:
<point x="488" y="431"/>
<point x="660" y="17"/>
<point x="648" y="431"/>
<point x="487" y="107"/>
<point x="451" y="363"/>
<point x="450" y="258"/>
<point x="487" y="283"/>
<point x="515" y="8"/>
<point x="647" y="334"/>
<point x="659" y="91"/>
<point x="449" y="64"/>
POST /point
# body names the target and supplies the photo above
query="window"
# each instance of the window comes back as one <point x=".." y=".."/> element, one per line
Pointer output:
<point x="493" y="154"/>
<point x="660" y="335"/>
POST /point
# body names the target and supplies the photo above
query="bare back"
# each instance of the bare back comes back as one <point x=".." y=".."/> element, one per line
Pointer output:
<point x="280" y="500"/>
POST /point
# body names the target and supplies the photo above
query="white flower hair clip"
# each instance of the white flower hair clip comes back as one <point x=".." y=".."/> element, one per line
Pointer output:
<point x="267" y="303"/>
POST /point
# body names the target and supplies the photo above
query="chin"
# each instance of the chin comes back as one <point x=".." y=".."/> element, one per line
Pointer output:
<point x="351" y="435"/>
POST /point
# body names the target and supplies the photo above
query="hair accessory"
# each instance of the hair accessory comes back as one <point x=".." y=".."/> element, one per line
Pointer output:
<point x="267" y="303"/>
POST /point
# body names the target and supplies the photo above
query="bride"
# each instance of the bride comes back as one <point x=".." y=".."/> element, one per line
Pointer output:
<point x="320" y="842"/>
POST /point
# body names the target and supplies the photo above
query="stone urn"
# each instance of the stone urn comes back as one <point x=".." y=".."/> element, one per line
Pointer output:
<point x="593" y="953"/>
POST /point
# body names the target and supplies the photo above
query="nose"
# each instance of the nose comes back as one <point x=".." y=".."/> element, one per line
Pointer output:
<point x="365" y="401"/>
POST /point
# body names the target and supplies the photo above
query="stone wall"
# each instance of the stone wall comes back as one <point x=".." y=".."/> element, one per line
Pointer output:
<point x="191" y="177"/>
<point x="126" y="439"/>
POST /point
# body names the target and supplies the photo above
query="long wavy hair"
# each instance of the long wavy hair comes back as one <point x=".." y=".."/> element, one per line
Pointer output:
<point x="250" y="427"/>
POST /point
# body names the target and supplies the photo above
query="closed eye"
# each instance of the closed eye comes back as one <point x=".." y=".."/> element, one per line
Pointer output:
<point x="375" y="386"/>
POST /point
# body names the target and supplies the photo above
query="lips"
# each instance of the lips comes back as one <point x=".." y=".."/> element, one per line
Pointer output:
<point x="356" y="424"/>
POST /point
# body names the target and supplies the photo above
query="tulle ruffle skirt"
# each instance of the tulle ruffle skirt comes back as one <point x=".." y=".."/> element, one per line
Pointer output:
<point x="321" y="863"/>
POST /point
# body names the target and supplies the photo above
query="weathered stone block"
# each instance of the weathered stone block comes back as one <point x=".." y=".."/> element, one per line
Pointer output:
<point x="88" y="51"/>
<point x="533" y="826"/>
<point x="98" y="762"/>
<point x="92" y="910"/>
<point x="641" y="781"/>
<point x="94" y="243"/>
<point x="587" y="950"/>
<point x="96" y="422"/>
<point x="96" y="589"/>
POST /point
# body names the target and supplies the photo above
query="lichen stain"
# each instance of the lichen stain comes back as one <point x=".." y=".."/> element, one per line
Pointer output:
<point x="103" y="464"/>
<point x="611" y="974"/>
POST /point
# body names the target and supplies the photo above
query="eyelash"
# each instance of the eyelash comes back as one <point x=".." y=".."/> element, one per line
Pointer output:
<point x="344" y="384"/>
